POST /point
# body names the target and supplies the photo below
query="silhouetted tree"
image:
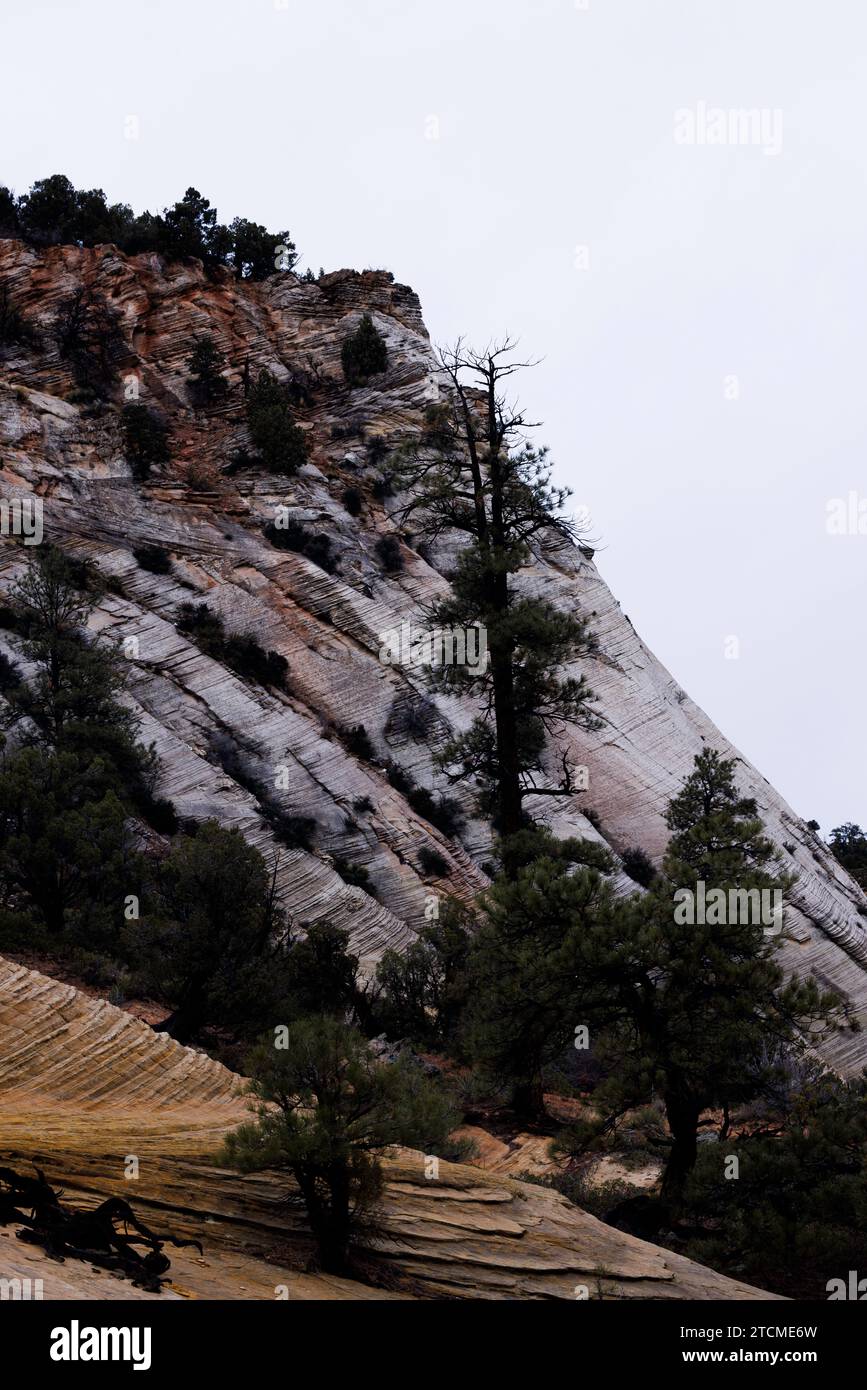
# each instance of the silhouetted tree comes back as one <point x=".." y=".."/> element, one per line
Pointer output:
<point x="257" y="253"/>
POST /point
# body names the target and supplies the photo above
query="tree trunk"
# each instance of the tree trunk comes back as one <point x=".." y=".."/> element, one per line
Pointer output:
<point x="683" y="1117"/>
<point x="528" y="1100"/>
<point x="510" y="817"/>
<point x="329" y="1218"/>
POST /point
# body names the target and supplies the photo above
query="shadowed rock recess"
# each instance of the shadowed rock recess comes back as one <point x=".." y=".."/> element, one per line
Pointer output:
<point x="328" y="626"/>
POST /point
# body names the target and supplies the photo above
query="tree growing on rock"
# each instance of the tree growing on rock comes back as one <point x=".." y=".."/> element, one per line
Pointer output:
<point x="473" y="473"/>
<point x="190" y="228"/>
<point x="9" y="225"/>
<point x="849" y="847"/>
<point x="327" y="1112"/>
<point x="364" y="353"/>
<point x="683" y="984"/>
<point x="258" y="253"/>
<point x="145" y="438"/>
<point x="73" y="702"/>
<point x="87" y="336"/>
<point x="209" y="940"/>
<point x="205" y="365"/>
<point x="279" y="441"/>
<point x="76" y="772"/>
<point x="54" y="213"/>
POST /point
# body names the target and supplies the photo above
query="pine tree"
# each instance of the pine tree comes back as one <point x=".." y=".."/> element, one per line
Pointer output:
<point x="795" y="1221"/>
<point x="421" y="993"/>
<point x="321" y="973"/>
<point x="364" y="353"/>
<point x="691" y="1001"/>
<point x="472" y="473"/>
<point x="73" y="699"/>
<point x="145" y="439"/>
<point x="54" y="212"/>
<point x="258" y="253"/>
<point x="849" y="847"/>
<point x="205" y="364"/>
<point x="208" y="941"/>
<point x="525" y="999"/>
<point x="76" y="772"/>
<point x="67" y="857"/>
<point x="327" y="1111"/>
<point x="280" y="442"/>
<point x="190" y="228"/>
<point x="73" y="681"/>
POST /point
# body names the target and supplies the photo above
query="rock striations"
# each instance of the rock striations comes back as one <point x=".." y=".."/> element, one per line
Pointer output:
<point x="83" y="1086"/>
<point x="210" y="518"/>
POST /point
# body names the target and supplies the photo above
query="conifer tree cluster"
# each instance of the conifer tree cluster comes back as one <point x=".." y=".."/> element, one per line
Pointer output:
<point x="849" y="845"/>
<point x="55" y="213"/>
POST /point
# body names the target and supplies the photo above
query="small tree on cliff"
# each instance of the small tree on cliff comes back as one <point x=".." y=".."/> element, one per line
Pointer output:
<point x="280" y="442"/>
<point x="145" y="438"/>
<point x="364" y="353"/>
<point x="473" y="473"/>
<point x="327" y="1111"/>
<point x="206" y="362"/>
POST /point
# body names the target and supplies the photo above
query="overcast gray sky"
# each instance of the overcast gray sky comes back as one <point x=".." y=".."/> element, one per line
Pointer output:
<point x="572" y="173"/>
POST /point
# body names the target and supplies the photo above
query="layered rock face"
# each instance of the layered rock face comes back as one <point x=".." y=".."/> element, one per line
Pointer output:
<point x="330" y="626"/>
<point x="83" y="1087"/>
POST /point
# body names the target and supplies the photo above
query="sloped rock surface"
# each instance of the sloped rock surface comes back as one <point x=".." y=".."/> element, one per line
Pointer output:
<point x="84" y="1086"/>
<point x="329" y="626"/>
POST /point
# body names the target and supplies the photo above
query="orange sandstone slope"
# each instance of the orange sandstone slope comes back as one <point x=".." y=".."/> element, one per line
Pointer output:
<point x="85" y="1086"/>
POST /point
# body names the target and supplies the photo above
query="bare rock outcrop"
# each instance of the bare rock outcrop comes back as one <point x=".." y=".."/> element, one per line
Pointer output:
<point x="329" y="625"/>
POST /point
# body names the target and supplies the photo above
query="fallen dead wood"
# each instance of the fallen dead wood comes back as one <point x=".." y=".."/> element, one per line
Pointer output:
<point x="106" y="1235"/>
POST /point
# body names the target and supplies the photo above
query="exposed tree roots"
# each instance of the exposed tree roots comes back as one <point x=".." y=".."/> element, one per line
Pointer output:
<point x="105" y="1236"/>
